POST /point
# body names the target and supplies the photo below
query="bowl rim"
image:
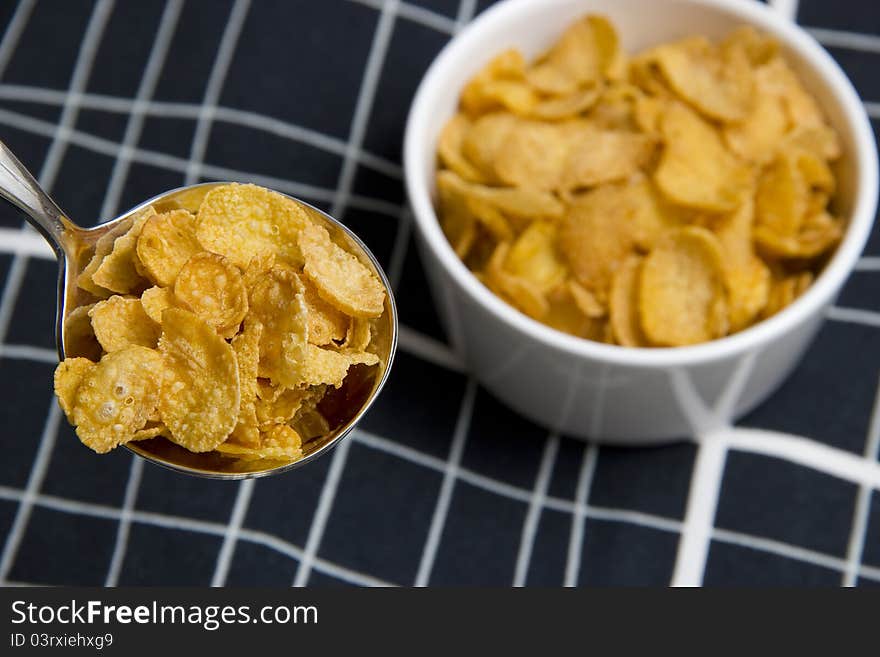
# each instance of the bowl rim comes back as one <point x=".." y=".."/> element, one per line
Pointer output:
<point x="826" y="285"/>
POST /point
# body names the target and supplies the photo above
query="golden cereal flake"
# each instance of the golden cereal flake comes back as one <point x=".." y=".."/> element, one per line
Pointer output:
<point x="121" y="321"/>
<point x="166" y="242"/>
<point x="117" y="397"/>
<point x="199" y="401"/>
<point x="242" y="221"/>
<point x="339" y="277"/>
<point x="212" y="287"/>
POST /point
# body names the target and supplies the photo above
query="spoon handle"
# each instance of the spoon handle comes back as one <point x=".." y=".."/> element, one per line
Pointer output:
<point x="20" y="188"/>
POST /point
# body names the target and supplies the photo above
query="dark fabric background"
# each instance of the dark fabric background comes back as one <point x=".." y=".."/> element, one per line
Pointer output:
<point x="442" y="485"/>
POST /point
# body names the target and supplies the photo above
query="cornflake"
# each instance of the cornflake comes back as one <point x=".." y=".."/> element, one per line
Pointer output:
<point x="660" y="200"/>
<point x="219" y="330"/>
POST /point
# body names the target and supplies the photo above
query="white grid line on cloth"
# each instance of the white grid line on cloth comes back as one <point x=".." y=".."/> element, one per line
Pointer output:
<point x="135" y="124"/>
<point x="35" y="481"/>
<point x="79" y="78"/>
<point x="27" y="352"/>
<point x="214" y="88"/>
<point x="790" y="551"/>
<point x="364" y="104"/>
<point x="450" y="474"/>
<point x="120" y="545"/>
<point x="788" y="8"/>
<point x="400" y="248"/>
<point x="360" y="117"/>
<point x="705" y="489"/>
<point x="466" y="10"/>
<point x="321" y="565"/>
<point x="179" y="110"/>
<point x="581" y="499"/>
<point x="416" y="14"/>
<point x="806" y="452"/>
<point x="868" y="263"/>
<point x="178" y="523"/>
<point x="233" y="532"/>
<point x="853" y="316"/>
<point x="846" y="39"/>
<point x="179" y="165"/>
<point x="27" y="243"/>
<point x="856" y="546"/>
<point x="536" y="505"/>
<point x="710" y="426"/>
<point x="625" y="516"/>
<point x="13" y="31"/>
<point x="133" y="129"/>
<point x="510" y="491"/>
<point x="322" y="513"/>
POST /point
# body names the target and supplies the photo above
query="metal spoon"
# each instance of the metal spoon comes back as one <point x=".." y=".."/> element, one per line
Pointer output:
<point x="74" y="246"/>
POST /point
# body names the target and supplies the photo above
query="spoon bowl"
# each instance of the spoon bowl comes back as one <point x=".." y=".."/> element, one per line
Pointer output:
<point x="74" y="246"/>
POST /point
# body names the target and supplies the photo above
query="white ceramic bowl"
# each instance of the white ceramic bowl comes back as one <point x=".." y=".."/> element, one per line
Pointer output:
<point x="603" y="392"/>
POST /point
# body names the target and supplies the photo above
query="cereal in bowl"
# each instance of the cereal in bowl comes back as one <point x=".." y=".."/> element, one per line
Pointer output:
<point x="660" y="199"/>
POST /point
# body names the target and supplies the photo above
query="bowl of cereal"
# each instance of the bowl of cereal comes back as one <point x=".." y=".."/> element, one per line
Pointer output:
<point x="632" y="214"/>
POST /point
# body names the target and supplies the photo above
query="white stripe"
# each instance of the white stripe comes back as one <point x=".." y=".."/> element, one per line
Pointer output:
<point x="533" y="517"/>
<point x="400" y="249"/>
<point x="57" y="149"/>
<point x="34" y="483"/>
<point x="466" y="9"/>
<point x="416" y="14"/>
<point x="27" y="243"/>
<point x="853" y="316"/>
<point x="779" y="548"/>
<point x="809" y="453"/>
<point x="428" y="349"/>
<point x="498" y="487"/>
<point x="80" y="78"/>
<point x="426" y="17"/>
<point x="788" y="8"/>
<point x="14" y="31"/>
<point x="173" y="163"/>
<point x="27" y="352"/>
<point x="81" y="71"/>
<point x="513" y="492"/>
<point x="856" y="546"/>
<point x="215" y="86"/>
<point x="399" y="450"/>
<point x="364" y="105"/>
<point x="189" y="525"/>
<point x="634" y="518"/>
<point x="229" y="115"/>
<point x="693" y="548"/>
<point x="578" y="520"/>
<point x="135" y="124"/>
<point x="848" y="40"/>
<point x="11" y="290"/>
<point x="120" y="546"/>
<point x="450" y="474"/>
<point x="322" y="513"/>
<point x="868" y="263"/>
<point x="233" y="531"/>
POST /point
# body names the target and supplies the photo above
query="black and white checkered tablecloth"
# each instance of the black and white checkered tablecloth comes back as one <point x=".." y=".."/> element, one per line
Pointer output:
<point x="113" y="102"/>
